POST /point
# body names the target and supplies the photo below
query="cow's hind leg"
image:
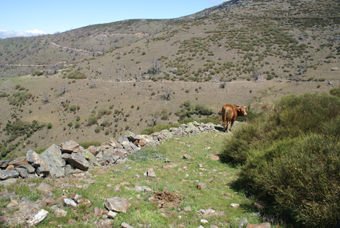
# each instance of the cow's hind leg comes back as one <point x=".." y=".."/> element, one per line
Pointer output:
<point x="231" y="125"/>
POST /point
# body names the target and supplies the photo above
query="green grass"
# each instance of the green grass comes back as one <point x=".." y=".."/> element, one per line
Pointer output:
<point x="182" y="178"/>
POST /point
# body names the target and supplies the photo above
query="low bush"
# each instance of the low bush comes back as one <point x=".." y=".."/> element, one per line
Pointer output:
<point x="290" y="157"/>
<point x="92" y="120"/>
<point x="76" y="75"/>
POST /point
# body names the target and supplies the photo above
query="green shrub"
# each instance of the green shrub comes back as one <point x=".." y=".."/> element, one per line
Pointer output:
<point x="19" y="98"/>
<point x="102" y="112"/>
<point x="335" y="91"/>
<point x="97" y="129"/>
<point x="301" y="174"/>
<point x="37" y="73"/>
<point x="49" y="125"/>
<point x="291" y="159"/>
<point x="76" y="75"/>
<point x="92" y="120"/>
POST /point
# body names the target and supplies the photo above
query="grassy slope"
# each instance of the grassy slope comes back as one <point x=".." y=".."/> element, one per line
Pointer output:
<point x="183" y="178"/>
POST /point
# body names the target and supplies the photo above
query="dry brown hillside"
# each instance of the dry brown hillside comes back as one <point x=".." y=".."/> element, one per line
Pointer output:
<point x="240" y="52"/>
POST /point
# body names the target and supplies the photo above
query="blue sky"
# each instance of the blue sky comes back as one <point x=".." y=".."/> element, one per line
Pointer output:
<point x="32" y="17"/>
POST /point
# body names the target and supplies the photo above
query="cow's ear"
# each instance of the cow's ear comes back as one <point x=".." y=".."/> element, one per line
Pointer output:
<point x="245" y="108"/>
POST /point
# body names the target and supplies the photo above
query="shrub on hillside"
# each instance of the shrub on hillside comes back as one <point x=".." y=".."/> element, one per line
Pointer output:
<point x="291" y="159"/>
<point x="92" y="120"/>
<point x="76" y="75"/>
<point x="298" y="178"/>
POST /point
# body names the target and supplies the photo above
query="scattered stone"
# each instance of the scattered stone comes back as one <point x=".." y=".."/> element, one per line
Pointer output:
<point x="334" y="69"/>
<point x="45" y="187"/>
<point x="235" y="205"/>
<point x="169" y="166"/>
<point x="60" y="213"/>
<point x="37" y="217"/>
<point x="104" y="223"/>
<point x="117" y="204"/>
<point x="167" y="160"/>
<point x="112" y="214"/>
<point x="242" y="222"/>
<point x="125" y="225"/>
<point x="142" y="188"/>
<point x="166" y="198"/>
<point x="69" y="202"/>
<point x="210" y="180"/>
<point x="204" y="221"/>
<point x="50" y="201"/>
<point x="117" y="187"/>
<point x="262" y="225"/>
<point x="201" y="185"/>
<point x="98" y="212"/>
<point x="187" y="209"/>
<point x="213" y="157"/>
<point x="12" y="204"/>
<point x="151" y="173"/>
<point x="186" y="156"/>
<point x="80" y="200"/>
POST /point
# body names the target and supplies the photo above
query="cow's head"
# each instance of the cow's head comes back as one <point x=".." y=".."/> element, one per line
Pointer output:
<point x="242" y="110"/>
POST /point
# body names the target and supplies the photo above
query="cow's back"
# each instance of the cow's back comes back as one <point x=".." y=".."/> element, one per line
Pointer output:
<point x="228" y="112"/>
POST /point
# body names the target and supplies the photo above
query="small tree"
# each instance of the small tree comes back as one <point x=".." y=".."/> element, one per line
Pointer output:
<point x="167" y="93"/>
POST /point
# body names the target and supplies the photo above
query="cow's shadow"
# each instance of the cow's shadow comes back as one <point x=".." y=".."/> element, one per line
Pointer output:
<point x="219" y="128"/>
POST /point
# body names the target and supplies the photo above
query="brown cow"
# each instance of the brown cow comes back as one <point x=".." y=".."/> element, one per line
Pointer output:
<point x="230" y="113"/>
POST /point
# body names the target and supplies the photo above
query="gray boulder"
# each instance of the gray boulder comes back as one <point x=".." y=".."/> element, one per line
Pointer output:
<point x="22" y="172"/>
<point x="6" y="174"/>
<point x="70" y="147"/>
<point x="53" y="159"/>
<point x="4" y="164"/>
<point x="117" y="204"/>
<point x="76" y="160"/>
<point x="33" y="158"/>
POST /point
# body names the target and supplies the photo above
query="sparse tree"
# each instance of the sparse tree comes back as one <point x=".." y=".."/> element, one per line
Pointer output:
<point x="255" y="74"/>
<point x="167" y="93"/>
<point x="154" y="117"/>
<point x="46" y="97"/>
<point x="155" y="66"/>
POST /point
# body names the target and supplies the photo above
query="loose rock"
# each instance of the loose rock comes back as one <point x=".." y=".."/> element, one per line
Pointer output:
<point x="37" y="218"/>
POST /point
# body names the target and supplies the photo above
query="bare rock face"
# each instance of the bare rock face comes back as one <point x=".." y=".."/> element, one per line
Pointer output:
<point x="37" y="217"/>
<point x="117" y="204"/>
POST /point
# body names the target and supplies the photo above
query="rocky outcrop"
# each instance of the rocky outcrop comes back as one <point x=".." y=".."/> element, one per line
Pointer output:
<point x="70" y="158"/>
